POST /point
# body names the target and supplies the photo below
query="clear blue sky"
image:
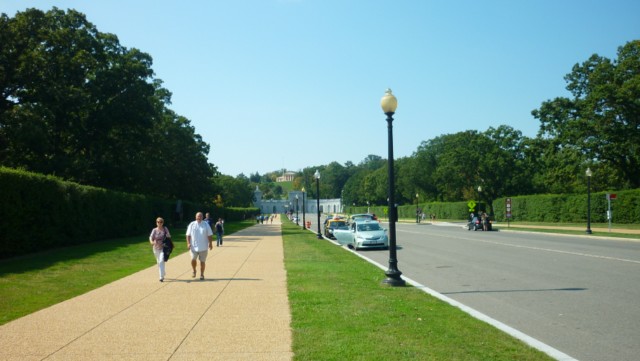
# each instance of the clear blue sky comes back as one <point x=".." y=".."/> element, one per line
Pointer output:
<point x="274" y="84"/>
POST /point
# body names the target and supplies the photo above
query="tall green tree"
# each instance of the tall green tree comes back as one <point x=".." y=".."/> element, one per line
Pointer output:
<point x="77" y="104"/>
<point x="235" y="192"/>
<point x="600" y="125"/>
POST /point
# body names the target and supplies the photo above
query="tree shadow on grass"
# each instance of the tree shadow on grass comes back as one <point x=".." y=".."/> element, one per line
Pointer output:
<point x="45" y="259"/>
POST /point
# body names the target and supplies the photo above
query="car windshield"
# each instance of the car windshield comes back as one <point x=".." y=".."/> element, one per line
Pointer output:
<point x="369" y="227"/>
<point x="337" y="224"/>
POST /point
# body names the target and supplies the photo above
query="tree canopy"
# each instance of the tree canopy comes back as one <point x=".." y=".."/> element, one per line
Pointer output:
<point x="599" y="127"/>
<point x="77" y="104"/>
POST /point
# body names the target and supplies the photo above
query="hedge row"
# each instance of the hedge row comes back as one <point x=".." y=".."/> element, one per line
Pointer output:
<point x="40" y="212"/>
<point x="625" y="208"/>
<point x="535" y="208"/>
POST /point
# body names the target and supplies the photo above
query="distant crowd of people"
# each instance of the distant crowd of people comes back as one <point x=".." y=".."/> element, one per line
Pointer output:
<point x="262" y="218"/>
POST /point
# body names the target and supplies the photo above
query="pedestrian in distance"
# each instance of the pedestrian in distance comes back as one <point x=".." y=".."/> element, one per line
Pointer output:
<point x="485" y="221"/>
<point x="156" y="238"/>
<point x="199" y="236"/>
<point x="207" y="218"/>
<point x="219" y="232"/>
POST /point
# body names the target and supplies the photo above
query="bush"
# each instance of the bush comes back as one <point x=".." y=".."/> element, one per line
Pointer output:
<point x="560" y="208"/>
<point x="41" y="212"/>
<point x="571" y="208"/>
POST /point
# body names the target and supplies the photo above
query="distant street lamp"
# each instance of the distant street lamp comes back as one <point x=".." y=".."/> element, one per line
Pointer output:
<point x="297" y="222"/>
<point x="317" y="176"/>
<point x="417" y="209"/>
<point x="389" y="104"/>
<point x="589" y="174"/>
<point x="303" y="210"/>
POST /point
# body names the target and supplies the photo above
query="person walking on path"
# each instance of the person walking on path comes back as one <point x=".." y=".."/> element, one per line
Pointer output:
<point x="199" y="234"/>
<point x="207" y="218"/>
<point x="219" y="232"/>
<point x="156" y="238"/>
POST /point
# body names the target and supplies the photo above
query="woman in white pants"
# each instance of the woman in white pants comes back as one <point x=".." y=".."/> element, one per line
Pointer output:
<point x="156" y="238"/>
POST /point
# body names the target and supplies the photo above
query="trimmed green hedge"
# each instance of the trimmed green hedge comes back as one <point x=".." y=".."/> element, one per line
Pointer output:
<point x="442" y="210"/>
<point x="39" y="212"/>
<point x="567" y="208"/>
<point x="571" y="208"/>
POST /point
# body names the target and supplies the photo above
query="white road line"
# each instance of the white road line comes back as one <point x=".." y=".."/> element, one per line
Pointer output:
<point x="538" y="248"/>
<point x="537" y="344"/>
<point x="559" y="251"/>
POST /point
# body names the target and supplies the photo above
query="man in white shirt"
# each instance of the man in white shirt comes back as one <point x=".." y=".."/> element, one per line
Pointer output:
<point x="199" y="234"/>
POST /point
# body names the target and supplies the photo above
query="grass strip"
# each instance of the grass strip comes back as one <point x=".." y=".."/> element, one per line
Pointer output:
<point x="33" y="282"/>
<point x="341" y="311"/>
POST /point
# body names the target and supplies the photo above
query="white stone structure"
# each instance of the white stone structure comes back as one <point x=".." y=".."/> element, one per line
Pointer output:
<point x="269" y="206"/>
<point x="286" y="177"/>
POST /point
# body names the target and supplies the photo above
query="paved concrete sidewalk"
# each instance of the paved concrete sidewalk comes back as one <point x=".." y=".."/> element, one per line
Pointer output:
<point x="239" y="312"/>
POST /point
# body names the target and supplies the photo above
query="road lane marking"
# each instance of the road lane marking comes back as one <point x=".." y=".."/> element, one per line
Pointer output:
<point x="539" y="249"/>
<point x="533" y="342"/>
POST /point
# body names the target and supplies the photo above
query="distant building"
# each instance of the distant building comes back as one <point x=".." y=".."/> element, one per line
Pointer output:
<point x="286" y="177"/>
<point x="293" y="204"/>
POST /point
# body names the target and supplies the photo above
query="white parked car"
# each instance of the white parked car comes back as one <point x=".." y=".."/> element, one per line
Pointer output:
<point x="363" y="234"/>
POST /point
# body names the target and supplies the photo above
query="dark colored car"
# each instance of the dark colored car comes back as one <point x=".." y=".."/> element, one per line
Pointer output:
<point x="476" y="224"/>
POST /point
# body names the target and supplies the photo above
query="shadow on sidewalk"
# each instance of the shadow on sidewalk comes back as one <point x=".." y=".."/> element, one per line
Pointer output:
<point x="197" y="280"/>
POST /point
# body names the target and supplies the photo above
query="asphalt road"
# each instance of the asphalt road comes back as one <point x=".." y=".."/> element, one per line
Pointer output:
<point x="578" y="294"/>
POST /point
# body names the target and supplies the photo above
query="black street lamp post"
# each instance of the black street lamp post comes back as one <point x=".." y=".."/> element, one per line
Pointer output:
<point x="297" y="222"/>
<point x="589" y="174"/>
<point x="417" y="210"/>
<point x="317" y="176"/>
<point x="303" y="210"/>
<point x="389" y="104"/>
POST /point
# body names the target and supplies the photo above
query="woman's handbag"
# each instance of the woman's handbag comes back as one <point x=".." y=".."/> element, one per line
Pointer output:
<point x="167" y="246"/>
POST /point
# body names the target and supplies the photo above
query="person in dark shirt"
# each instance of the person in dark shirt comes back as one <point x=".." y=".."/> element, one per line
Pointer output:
<point x="219" y="231"/>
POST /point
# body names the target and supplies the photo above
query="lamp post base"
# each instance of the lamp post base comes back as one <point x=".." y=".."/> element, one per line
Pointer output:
<point x="393" y="278"/>
<point x="588" y="231"/>
<point x="319" y="236"/>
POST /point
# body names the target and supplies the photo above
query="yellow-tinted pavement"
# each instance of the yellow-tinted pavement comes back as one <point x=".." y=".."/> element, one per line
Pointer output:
<point x="239" y="312"/>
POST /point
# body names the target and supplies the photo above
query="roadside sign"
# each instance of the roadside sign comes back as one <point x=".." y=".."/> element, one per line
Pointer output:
<point x="508" y="204"/>
<point x="610" y="196"/>
<point x="471" y="205"/>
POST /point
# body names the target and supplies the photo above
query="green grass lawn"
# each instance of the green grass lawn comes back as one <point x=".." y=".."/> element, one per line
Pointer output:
<point x="30" y="283"/>
<point x="341" y="311"/>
